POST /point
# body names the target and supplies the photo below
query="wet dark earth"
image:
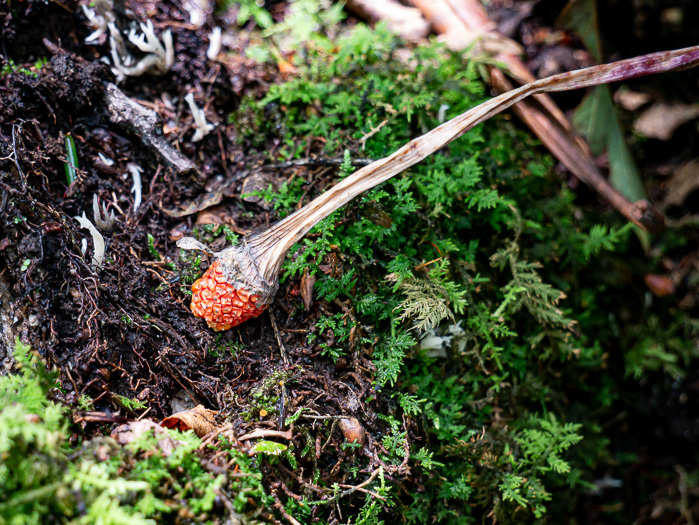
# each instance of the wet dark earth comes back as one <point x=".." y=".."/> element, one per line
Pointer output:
<point x="124" y="329"/>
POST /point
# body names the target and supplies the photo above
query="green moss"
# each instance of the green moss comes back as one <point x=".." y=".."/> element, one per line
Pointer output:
<point x="46" y="479"/>
<point x="480" y="242"/>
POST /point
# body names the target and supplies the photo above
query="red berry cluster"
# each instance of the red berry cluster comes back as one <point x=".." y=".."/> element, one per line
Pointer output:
<point x="221" y="305"/>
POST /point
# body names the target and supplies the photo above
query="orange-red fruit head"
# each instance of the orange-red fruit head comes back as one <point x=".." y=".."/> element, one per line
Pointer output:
<point x="219" y="304"/>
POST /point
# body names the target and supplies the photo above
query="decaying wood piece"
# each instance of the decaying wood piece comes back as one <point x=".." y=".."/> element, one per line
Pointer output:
<point x="243" y="279"/>
<point x="144" y="123"/>
<point x="540" y="112"/>
<point x="408" y="22"/>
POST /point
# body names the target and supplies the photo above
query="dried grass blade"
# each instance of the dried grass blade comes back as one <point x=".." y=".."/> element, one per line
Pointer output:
<point x="575" y="156"/>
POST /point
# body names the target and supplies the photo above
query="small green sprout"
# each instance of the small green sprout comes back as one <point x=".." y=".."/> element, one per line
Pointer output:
<point x="71" y="165"/>
<point x="151" y="248"/>
<point x="129" y="404"/>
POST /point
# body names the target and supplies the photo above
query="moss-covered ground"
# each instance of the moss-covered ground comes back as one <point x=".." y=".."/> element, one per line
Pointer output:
<point x="470" y="342"/>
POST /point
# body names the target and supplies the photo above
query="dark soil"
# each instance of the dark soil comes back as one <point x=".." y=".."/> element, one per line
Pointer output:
<point x="127" y="330"/>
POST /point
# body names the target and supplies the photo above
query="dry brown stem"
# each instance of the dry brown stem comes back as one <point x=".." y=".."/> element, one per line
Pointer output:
<point x="270" y="247"/>
<point x="577" y="158"/>
<point x="254" y="264"/>
<point x="540" y="113"/>
<point x="459" y="34"/>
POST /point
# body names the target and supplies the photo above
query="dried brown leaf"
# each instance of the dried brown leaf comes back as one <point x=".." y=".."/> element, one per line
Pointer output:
<point x="258" y="181"/>
<point x="631" y="100"/>
<point x="684" y="181"/>
<point x="661" y="120"/>
<point x="307" y="282"/>
<point x="199" y="419"/>
<point x="214" y="215"/>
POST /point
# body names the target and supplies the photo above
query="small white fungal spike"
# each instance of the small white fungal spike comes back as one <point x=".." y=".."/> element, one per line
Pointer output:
<point x="214" y="44"/>
<point x="202" y="127"/>
<point x="159" y="57"/>
<point x="137" y="187"/>
<point x="97" y="239"/>
<point x="104" y="220"/>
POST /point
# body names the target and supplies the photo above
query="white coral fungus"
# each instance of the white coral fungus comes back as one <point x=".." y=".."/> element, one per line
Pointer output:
<point x="98" y="18"/>
<point x="104" y="220"/>
<point x="202" y="127"/>
<point x="437" y="340"/>
<point x="214" y="44"/>
<point x="442" y="113"/>
<point x="106" y="160"/>
<point x="159" y="57"/>
<point x="97" y="239"/>
<point x="197" y="10"/>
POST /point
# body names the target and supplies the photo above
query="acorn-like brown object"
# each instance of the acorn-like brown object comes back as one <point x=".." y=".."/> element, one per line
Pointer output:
<point x="243" y="279"/>
<point x="353" y="430"/>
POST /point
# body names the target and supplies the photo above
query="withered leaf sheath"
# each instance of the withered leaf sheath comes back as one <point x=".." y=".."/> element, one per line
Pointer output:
<point x="243" y="279"/>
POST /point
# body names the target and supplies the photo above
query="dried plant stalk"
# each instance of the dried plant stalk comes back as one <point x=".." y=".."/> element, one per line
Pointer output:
<point x="457" y="18"/>
<point x="243" y="279"/>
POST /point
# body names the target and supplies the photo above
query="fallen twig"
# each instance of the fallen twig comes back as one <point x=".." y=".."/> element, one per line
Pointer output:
<point x="373" y="132"/>
<point x="261" y="433"/>
<point x="406" y="21"/>
<point x="133" y="117"/>
<point x="288" y="517"/>
<point x="98" y="417"/>
<point x="349" y="491"/>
